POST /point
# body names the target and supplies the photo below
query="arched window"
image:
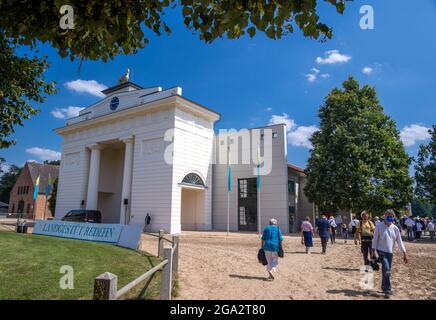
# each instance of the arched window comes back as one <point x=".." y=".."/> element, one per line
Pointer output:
<point x="193" y="179"/>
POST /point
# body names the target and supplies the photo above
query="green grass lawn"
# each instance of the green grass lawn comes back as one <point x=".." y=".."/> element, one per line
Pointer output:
<point x="30" y="264"/>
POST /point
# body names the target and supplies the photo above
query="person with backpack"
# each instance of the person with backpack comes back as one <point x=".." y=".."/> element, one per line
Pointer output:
<point x="271" y="243"/>
<point x="364" y="235"/>
<point x="333" y="227"/>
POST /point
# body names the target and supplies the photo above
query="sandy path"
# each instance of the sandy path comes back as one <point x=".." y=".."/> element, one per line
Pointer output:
<point x="213" y="266"/>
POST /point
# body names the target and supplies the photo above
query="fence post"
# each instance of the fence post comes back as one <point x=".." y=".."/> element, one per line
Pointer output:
<point x="105" y="287"/>
<point x="160" y="247"/>
<point x="175" y="254"/>
<point x="167" y="275"/>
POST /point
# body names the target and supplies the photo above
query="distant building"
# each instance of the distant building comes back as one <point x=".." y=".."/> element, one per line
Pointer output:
<point x="113" y="160"/>
<point x="21" y="197"/>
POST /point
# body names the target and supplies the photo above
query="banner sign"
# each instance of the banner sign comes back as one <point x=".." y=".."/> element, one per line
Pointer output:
<point x="78" y="230"/>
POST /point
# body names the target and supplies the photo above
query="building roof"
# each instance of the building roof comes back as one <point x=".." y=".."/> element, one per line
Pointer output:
<point x="296" y="168"/>
<point x="42" y="170"/>
<point x="121" y="86"/>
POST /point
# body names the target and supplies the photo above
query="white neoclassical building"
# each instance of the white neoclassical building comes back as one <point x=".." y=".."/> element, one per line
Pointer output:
<point x="149" y="150"/>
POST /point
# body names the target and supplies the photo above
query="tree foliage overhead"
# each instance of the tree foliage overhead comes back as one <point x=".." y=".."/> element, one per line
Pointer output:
<point x="22" y="82"/>
<point x="104" y="29"/>
<point x="425" y="174"/>
<point x="358" y="160"/>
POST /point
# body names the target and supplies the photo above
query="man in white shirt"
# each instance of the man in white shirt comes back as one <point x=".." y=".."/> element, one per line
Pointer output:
<point x="430" y="227"/>
<point x="386" y="234"/>
<point x="410" y="224"/>
<point x="354" y="222"/>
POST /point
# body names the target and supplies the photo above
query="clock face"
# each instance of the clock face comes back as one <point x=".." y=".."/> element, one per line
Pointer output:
<point x="114" y="103"/>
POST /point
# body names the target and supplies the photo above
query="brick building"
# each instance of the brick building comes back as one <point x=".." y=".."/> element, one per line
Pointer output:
<point x="21" y="197"/>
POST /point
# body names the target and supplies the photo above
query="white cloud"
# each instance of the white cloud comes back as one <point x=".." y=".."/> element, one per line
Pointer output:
<point x="284" y="118"/>
<point x="310" y="77"/>
<point x="86" y="86"/>
<point x="325" y="75"/>
<point x="298" y="136"/>
<point x="315" y="70"/>
<point x="65" y="113"/>
<point x="414" y="133"/>
<point x="333" y="57"/>
<point x="367" y="70"/>
<point x="44" y="154"/>
<point x="269" y="109"/>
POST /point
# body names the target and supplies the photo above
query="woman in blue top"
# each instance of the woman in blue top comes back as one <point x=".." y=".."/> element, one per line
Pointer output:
<point x="271" y="238"/>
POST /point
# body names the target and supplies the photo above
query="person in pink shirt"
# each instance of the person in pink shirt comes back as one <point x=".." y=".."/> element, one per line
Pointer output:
<point x="307" y="234"/>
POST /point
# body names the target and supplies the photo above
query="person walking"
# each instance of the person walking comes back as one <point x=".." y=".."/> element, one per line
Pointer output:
<point x="418" y="229"/>
<point x="410" y="224"/>
<point x="271" y="241"/>
<point x="354" y="222"/>
<point x="364" y="235"/>
<point x="307" y="234"/>
<point x="344" y="230"/>
<point x="386" y="235"/>
<point x="333" y="227"/>
<point x="323" y="227"/>
<point x="430" y="227"/>
<point x="338" y="221"/>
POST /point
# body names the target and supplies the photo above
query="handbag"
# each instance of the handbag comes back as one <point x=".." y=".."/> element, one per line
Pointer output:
<point x="281" y="253"/>
<point x="261" y="257"/>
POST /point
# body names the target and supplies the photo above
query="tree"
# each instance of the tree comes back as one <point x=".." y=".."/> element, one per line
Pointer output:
<point x="358" y="160"/>
<point x="53" y="162"/>
<point x="104" y="29"/>
<point x="422" y="208"/>
<point x="21" y="83"/>
<point x="7" y="182"/>
<point x="425" y="174"/>
<point x="52" y="199"/>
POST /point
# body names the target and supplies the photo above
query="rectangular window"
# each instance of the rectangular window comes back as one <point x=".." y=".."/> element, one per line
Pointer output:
<point x="291" y="186"/>
<point x="242" y="217"/>
<point x="291" y="209"/>
<point x="243" y="188"/>
<point x="274" y="135"/>
<point x="28" y="208"/>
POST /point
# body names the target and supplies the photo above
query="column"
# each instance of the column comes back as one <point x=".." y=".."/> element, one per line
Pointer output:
<point x="127" y="180"/>
<point x="94" y="173"/>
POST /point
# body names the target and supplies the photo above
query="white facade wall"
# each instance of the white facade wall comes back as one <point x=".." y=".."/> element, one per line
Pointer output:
<point x="193" y="144"/>
<point x="273" y="195"/>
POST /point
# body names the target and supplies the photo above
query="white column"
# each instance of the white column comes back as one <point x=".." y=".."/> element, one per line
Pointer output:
<point x="94" y="173"/>
<point x="127" y="180"/>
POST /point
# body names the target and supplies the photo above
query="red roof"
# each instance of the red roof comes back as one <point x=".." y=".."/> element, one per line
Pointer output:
<point x="296" y="168"/>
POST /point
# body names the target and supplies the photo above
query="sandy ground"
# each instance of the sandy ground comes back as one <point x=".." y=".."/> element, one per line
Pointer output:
<point x="214" y="266"/>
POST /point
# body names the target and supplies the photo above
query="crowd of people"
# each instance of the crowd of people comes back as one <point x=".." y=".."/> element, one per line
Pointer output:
<point x="376" y="236"/>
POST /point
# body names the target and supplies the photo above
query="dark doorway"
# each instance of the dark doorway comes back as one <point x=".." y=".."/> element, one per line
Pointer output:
<point x="247" y="204"/>
<point x="20" y="208"/>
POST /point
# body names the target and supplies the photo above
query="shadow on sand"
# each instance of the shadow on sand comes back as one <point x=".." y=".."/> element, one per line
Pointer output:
<point x="356" y="293"/>
<point x="341" y="269"/>
<point x="302" y="252"/>
<point x="248" y="277"/>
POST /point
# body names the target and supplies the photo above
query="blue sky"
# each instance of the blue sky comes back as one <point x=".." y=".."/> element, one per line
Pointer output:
<point x="252" y="82"/>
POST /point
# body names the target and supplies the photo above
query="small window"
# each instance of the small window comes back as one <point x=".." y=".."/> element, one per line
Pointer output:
<point x="242" y="217"/>
<point x="27" y="189"/>
<point x="28" y="208"/>
<point x="291" y="186"/>
<point x="243" y="188"/>
<point x="262" y="136"/>
<point x="291" y="209"/>
<point x="274" y="135"/>
<point x="13" y="208"/>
